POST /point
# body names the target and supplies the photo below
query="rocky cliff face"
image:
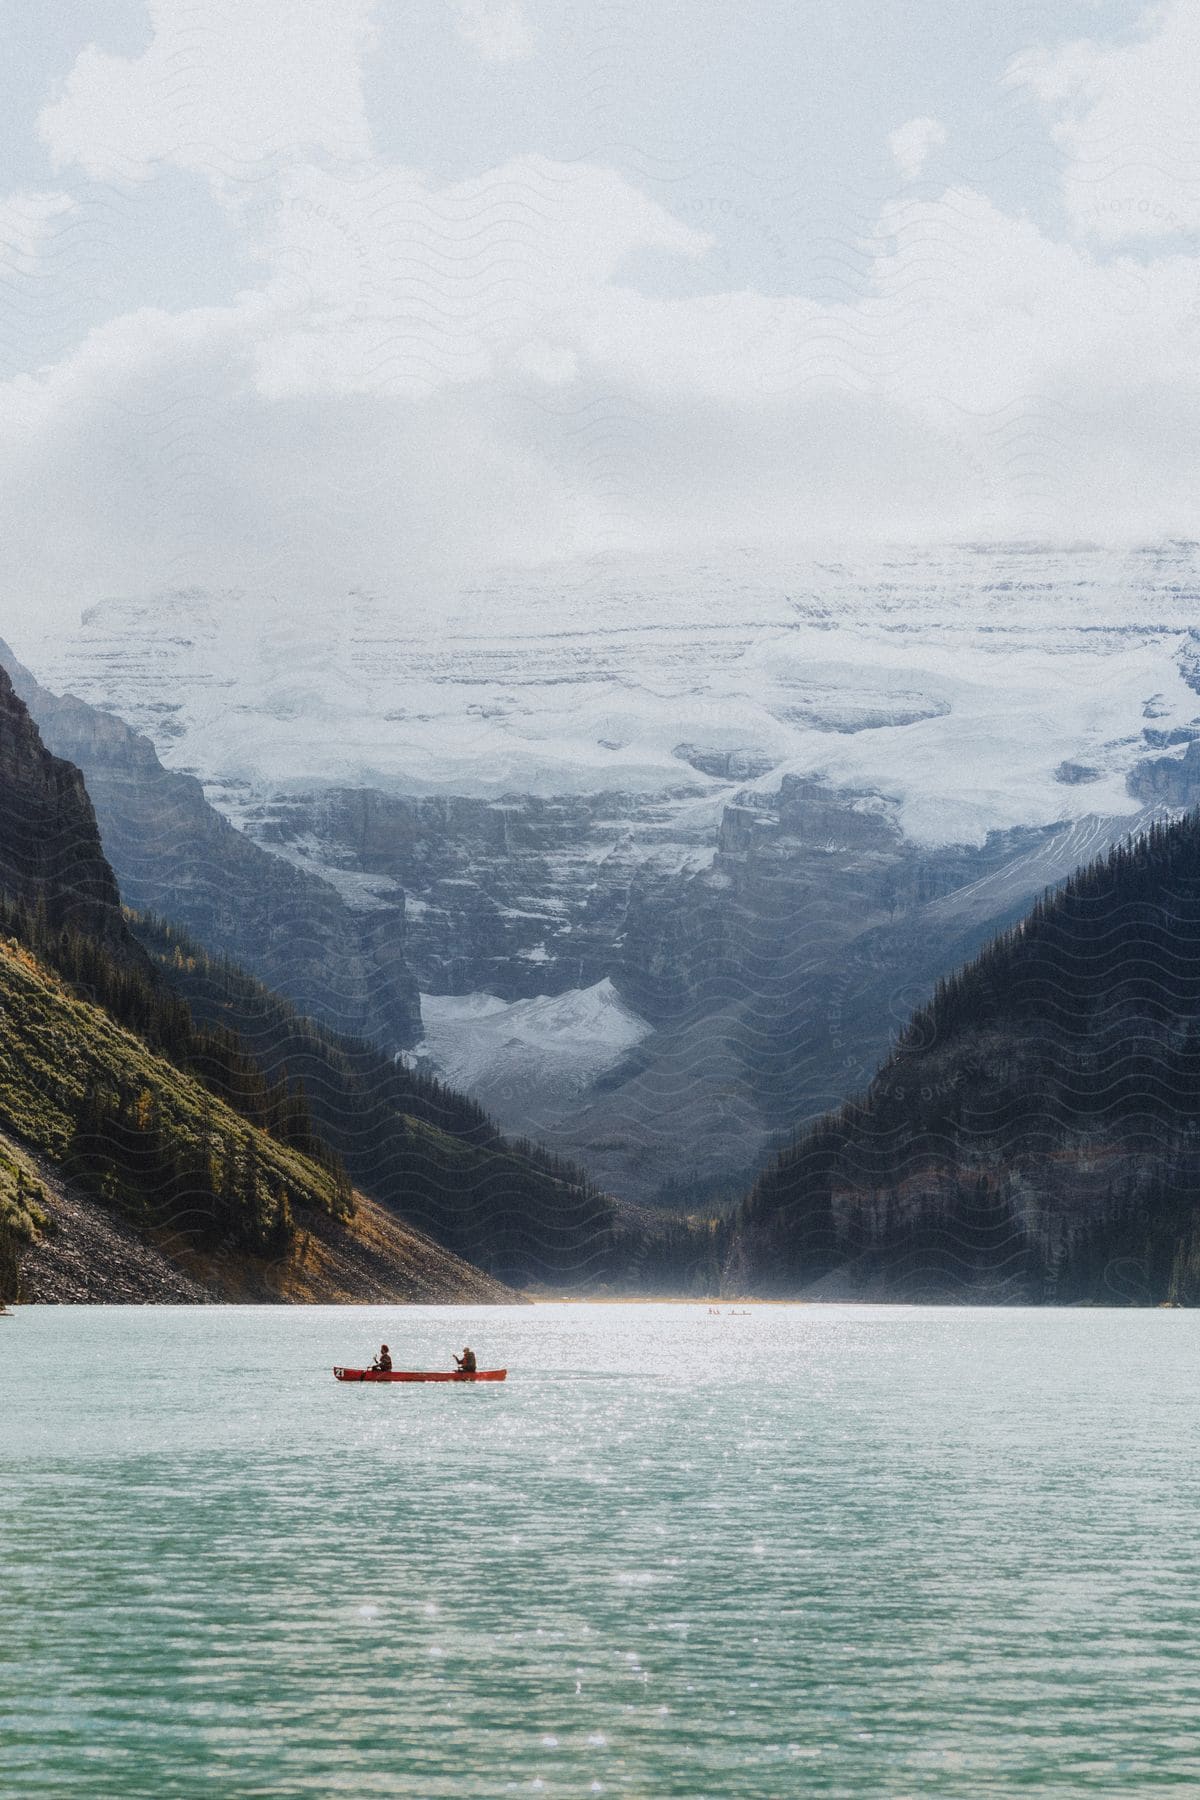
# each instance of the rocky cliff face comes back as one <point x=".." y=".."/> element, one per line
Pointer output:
<point x="520" y="896"/>
<point x="50" y="853"/>
<point x="176" y="856"/>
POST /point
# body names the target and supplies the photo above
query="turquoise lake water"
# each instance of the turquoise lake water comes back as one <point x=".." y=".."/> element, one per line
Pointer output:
<point x="816" y="1551"/>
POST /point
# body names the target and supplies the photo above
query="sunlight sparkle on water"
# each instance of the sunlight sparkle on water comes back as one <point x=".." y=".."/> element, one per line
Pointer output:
<point x="921" y="1552"/>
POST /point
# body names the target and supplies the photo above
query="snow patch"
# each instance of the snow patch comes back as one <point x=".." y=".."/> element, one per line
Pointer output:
<point x="559" y="1042"/>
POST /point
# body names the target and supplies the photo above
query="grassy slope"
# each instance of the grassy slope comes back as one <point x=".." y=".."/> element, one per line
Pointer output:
<point x="56" y="1048"/>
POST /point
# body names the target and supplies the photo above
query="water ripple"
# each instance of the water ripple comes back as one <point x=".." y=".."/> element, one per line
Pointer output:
<point x="828" y="1551"/>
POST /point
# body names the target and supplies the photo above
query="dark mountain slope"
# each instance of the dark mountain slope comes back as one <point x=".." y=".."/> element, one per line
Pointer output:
<point x="1035" y="1134"/>
<point x="50" y="854"/>
<point x="422" y="1150"/>
<point x="175" y="855"/>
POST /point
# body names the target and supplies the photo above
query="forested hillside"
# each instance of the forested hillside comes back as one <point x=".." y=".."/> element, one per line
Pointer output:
<point x="428" y="1153"/>
<point x="113" y="1106"/>
<point x="1035" y="1134"/>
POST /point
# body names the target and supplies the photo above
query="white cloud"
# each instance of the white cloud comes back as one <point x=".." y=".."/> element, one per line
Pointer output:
<point x="395" y="284"/>
<point x="226" y="94"/>
<point x="27" y="222"/>
<point x="498" y="30"/>
<point x="379" y="422"/>
<point x="912" y="144"/>
<point x="1125" y="116"/>
<point x="426" y="374"/>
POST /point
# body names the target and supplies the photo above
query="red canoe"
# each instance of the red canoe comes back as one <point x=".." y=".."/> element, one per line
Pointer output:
<point x="417" y="1375"/>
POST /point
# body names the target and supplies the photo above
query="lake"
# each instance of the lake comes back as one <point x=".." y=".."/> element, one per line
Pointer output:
<point x="820" y="1551"/>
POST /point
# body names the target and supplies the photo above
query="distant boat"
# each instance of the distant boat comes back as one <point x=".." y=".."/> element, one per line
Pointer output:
<point x="418" y="1375"/>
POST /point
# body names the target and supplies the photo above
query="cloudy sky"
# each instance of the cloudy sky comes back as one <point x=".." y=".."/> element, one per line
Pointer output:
<point x="298" y="297"/>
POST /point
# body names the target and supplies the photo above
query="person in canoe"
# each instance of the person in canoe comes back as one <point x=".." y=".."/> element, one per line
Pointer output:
<point x="383" y="1362"/>
<point x="466" y="1362"/>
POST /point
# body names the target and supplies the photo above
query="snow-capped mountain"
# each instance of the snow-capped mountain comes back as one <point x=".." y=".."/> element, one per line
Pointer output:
<point x="670" y="836"/>
<point x="955" y="682"/>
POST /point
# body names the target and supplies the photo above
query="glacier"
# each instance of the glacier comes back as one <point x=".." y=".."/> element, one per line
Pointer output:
<point x="953" y="682"/>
